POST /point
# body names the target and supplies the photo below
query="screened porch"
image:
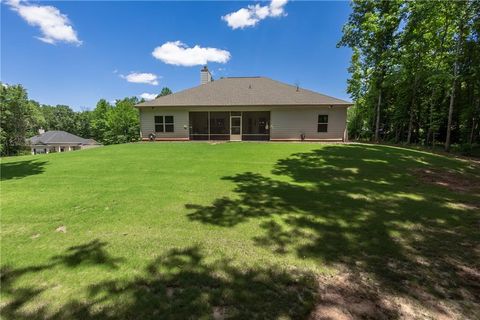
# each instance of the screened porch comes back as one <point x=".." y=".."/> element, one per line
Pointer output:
<point x="229" y="125"/>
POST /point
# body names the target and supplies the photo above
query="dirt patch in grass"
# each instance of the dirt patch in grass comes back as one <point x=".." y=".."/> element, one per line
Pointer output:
<point x="356" y="295"/>
<point x="451" y="180"/>
<point x="350" y="296"/>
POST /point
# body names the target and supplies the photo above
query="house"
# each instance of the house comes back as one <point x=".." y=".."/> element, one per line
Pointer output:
<point x="244" y="108"/>
<point x="59" y="141"/>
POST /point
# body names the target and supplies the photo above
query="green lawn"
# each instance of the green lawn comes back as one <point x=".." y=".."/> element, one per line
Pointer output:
<point x="240" y="230"/>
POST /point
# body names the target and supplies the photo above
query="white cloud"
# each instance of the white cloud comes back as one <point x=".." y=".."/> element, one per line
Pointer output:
<point x="148" y="96"/>
<point x="241" y="18"/>
<point x="54" y="25"/>
<point x="148" y="78"/>
<point x="179" y="54"/>
<point x="276" y="8"/>
<point x="250" y="16"/>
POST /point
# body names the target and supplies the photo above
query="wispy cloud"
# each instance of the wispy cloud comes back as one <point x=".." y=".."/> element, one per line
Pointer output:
<point x="253" y="14"/>
<point x="54" y="25"/>
<point x="148" y="78"/>
<point x="148" y="96"/>
<point x="179" y="54"/>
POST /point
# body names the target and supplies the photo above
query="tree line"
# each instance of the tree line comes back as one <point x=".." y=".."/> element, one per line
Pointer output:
<point x="415" y="71"/>
<point x="107" y="123"/>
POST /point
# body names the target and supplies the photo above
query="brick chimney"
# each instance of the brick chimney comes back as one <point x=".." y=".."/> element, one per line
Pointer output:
<point x="205" y="75"/>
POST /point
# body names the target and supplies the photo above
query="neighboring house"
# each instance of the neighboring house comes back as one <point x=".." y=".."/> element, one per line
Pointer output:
<point x="244" y="108"/>
<point x="59" y="141"/>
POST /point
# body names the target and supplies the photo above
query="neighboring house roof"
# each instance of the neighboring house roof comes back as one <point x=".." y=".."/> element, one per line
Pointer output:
<point x="56" y="137"/>
<point x="244" y="91"/>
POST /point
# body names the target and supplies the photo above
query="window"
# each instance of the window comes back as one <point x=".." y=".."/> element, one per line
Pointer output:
<point x="158" y="123"/>
<point x="322" y="123"/>
<point x="168" y="123"/>
<point x="163" y="123"/>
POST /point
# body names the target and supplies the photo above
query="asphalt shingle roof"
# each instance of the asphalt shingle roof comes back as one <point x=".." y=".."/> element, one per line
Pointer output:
<point x="54" y="137"/>
<point x="244" y="91"/>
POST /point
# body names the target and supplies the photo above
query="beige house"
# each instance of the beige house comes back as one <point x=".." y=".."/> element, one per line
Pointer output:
<point x="244" y="108"/>
<point x="59" y="141"/>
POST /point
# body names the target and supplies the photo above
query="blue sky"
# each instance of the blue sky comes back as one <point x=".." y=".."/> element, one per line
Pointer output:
<point x="99" y="46"/>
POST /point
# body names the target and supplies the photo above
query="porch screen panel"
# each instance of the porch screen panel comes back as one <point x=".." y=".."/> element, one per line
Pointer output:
<point x="219" y="125"/>
<point x="256" y="125"/>
<point x="198" y="125"/>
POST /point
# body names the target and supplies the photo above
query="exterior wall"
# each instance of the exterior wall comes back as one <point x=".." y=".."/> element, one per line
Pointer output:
<point x="40" y="149"/>
<point x="290" y="123"/>
<point x="287" y="123"/>
<point x="180" y="125"/>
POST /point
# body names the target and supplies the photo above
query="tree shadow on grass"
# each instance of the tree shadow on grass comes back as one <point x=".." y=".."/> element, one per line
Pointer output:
<point x="21" y="169"/>
<point x="182" y="285"/>
<point x="360" y="207"/>
<point x="90" y="254"/>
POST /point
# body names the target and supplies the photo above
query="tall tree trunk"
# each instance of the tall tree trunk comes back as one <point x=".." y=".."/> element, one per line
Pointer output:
<point x="474" y="121"/>
<point x="450" y="111"/>
<point x="454" y="85"/>
<point x="410" y="127"/>
<point x="430" y="122"/>
<point x="377" y="121"/>
<point x="412" y="110"/>
<point x="430" y="133"/>
<point x="472" y="131"/>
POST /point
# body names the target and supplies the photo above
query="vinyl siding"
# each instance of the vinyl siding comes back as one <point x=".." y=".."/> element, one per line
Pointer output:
<point x="180" y="125"/>
<point x="290" y="123"/>
<point x="287" y="123"/>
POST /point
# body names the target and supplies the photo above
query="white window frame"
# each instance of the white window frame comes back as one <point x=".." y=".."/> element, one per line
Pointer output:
<point x="322" y="123"/>
<point x="164" y="123"/>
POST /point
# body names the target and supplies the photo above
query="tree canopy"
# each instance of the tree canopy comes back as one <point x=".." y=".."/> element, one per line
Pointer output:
<point x="165" y="92"/>
<point x="21" y="118"/>
<point x="415" y="71"/>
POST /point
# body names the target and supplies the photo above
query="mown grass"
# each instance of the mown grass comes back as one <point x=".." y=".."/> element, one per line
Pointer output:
<point x="240" y="230"/>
